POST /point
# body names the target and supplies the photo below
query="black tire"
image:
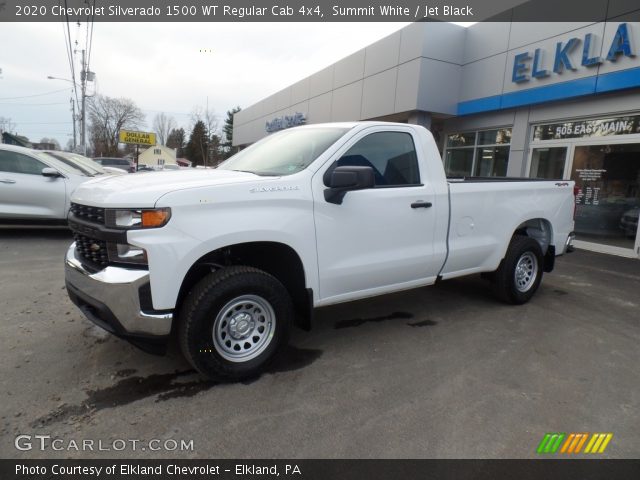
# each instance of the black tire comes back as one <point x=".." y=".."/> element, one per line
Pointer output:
<point x="514" y="288"/>
<point x="213" y="313"/>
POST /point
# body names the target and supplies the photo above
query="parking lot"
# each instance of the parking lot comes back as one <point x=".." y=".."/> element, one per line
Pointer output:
<point x="439" y="372"/>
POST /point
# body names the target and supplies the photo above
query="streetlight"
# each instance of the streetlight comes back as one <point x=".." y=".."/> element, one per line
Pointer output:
<point x="85" y="76"/>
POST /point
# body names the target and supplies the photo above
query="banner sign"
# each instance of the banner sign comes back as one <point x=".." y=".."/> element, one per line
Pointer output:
<point x="130" y="469"/>
<point x="304" y="11"/>
<point x="600" y="127"/>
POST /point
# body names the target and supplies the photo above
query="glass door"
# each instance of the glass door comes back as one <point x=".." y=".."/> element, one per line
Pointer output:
<point x="548" y="162"/>
<point x="608" y="201"/>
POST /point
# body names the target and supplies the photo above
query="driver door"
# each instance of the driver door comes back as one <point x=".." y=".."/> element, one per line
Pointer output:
<point x="377" y="237"/>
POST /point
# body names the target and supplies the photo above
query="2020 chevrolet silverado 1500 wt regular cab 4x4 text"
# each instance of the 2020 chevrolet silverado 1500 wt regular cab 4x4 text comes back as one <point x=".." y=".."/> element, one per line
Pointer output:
<point x="228" y="259"/>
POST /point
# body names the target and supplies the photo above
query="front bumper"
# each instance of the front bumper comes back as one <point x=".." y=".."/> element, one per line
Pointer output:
<point x="118" y="300"/>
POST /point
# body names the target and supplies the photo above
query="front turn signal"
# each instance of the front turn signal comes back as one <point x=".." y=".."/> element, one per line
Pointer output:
<point x="155" y="218"/>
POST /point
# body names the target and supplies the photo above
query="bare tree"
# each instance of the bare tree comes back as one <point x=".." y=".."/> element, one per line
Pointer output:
<point x="6" y="125"/>
<point x="52" y="141"/>
<point x="108" y="116"/>
<point x="212" y="129"/>
<point x="162" y="125"/>
<point x="208" y="117"/>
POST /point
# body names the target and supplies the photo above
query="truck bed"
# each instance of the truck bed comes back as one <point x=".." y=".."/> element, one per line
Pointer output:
<point x="486" y="211"/>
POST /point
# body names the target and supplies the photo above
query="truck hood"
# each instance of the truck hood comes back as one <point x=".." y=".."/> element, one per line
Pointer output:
<point x="143" y="189"/>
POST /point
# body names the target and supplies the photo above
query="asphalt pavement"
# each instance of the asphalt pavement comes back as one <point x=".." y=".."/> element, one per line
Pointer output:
<point x="438" y="372"/>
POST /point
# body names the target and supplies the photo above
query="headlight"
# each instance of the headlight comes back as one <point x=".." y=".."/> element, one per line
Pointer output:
<point x="137" y="218"/>
<point x="125" y="253"/>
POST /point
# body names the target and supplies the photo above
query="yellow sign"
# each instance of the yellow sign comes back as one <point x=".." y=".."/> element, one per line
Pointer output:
<point x="137" y="138"/>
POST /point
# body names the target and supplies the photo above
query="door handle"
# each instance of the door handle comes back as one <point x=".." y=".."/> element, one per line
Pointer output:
<point x="7" y="180"/>
<point x="421" y="204"/>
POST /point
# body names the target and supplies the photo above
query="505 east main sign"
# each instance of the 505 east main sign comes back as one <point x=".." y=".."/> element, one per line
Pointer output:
<point x="527" y="66"/>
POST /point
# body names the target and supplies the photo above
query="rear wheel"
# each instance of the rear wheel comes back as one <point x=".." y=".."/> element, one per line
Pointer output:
<point x="234" y="322"/>
<point x="520" y="272"/>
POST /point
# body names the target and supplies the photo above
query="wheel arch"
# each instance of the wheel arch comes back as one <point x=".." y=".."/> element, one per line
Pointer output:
<point x="541" y="230"/>
<point x="277" y="259"/>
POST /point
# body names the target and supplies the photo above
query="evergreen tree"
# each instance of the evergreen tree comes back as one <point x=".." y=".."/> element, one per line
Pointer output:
<point x="227" y="129"/>
<point x="197" y="146"/>
<point x="176" y="140"/>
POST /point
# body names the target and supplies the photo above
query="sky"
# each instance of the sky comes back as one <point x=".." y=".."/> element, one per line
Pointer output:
<point x="165" y="67"/>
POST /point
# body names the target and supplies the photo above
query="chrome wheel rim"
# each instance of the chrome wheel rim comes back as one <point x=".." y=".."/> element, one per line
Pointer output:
<point x="526" y="271"/>
<point x="244" y="328"/>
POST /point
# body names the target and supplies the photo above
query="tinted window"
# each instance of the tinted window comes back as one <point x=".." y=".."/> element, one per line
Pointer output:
<point x="17" y="163"/>
<point x="392" y="155"/>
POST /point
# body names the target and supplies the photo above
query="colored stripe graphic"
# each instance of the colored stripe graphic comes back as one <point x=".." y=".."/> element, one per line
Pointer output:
<point x="572" y="443"/>
<point x="598" y="443"/>
<point x="550" y="442"/>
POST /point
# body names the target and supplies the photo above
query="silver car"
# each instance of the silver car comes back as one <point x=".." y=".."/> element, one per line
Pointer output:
<point x="36" y="186"/>
<point x="85" y="164"/>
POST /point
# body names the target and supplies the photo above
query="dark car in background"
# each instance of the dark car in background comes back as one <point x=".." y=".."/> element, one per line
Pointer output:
<point x="629" y="222"/>
<point x="121" y="163"/>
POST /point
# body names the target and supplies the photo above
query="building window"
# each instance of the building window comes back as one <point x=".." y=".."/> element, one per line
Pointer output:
<point x="480" y="154"/>
<point x="157" y="151"/>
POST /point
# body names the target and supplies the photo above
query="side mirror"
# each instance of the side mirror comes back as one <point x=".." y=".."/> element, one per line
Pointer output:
<point x="50" y="172"/>
<point x="345" y="179"/>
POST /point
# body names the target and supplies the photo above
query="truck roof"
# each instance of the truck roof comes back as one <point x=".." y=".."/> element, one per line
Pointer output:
<point x="352" y="124"/>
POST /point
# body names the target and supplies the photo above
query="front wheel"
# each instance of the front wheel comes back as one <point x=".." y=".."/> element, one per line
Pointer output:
<point x="234" y="322"/>
<point x="520" y="272"/>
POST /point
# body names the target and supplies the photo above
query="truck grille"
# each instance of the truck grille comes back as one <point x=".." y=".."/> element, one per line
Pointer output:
<point x="92" y="249"/>
<point x="89" y="214"/>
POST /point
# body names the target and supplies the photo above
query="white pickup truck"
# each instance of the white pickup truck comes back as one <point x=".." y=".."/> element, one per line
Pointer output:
<point x="229" y="259"/>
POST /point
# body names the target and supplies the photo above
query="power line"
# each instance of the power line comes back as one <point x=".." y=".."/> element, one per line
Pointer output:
<point x="33" y="104"/>
<point x="37" y="95"/>
<point x="40" y="123"/>
<point x="89" y="41"/>
<point x="30" y="132"/>
<point x="70" y="51"/>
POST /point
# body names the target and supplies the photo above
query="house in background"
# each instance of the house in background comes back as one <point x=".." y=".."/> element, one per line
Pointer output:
<point x="157" y="156"/>
<point x="17" y="140"/>
<point x="45" y="146"/>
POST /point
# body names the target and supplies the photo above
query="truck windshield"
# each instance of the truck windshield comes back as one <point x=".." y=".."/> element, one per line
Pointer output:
<point x="284" y="153"/>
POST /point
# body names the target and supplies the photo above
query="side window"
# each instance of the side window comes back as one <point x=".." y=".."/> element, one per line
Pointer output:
<point x="17" y="163"/>
<point x="392" y="155"/>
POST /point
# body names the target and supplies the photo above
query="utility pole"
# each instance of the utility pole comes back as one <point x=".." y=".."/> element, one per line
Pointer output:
<point x="83" y="114"/>
<point x="73" y="116"/>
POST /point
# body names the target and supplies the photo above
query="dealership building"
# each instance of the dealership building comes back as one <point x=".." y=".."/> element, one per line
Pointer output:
<point x="547" y="100"/>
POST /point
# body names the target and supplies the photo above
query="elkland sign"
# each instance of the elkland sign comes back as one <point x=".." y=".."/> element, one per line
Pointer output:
<point x="527" y="66"/>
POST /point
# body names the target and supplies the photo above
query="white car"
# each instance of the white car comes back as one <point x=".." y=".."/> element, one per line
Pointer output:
<point x="36" y="186"/>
